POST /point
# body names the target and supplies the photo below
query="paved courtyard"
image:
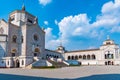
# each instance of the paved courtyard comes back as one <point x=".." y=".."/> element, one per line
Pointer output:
<point x="76" y="73"/>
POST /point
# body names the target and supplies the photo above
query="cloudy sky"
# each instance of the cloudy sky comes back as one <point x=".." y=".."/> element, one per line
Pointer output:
<point x="77" y="24"/>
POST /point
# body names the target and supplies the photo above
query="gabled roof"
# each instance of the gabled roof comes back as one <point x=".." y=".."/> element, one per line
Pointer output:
<point x="2" y="20"/>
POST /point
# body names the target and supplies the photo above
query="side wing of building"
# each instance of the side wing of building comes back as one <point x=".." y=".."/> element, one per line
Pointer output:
<point x="85" y="57"/>
<point x="3" y="41"/>
<point x="107" y="54"/>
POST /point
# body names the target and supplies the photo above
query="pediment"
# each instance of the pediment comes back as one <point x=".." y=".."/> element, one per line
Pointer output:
<point x="108" y="48"/>
<point x="3" y="23"/>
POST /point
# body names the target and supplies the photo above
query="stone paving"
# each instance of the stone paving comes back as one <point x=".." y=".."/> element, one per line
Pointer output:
<point x="63" y="73"/>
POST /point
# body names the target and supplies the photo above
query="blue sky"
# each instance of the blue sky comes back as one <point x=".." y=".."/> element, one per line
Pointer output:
<point x="78" y="24"/>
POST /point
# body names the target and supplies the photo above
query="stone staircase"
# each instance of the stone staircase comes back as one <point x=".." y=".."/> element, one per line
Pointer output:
<point x="58" y="64"/>
<point x="39" y="63"/>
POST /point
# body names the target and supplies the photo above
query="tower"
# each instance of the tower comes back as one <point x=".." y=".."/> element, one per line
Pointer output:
<point x="26" y="38"/>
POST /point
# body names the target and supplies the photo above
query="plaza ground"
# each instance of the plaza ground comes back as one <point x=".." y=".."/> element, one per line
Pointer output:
<point x="62" y="73"/>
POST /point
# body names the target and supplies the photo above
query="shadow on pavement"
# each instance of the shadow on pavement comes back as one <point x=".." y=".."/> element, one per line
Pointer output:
<point x="101" y="77"/>
<point x="20" y="77"/>
<point x="93" y="77"/>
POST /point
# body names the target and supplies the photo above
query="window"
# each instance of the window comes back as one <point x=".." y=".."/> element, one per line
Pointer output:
<point x="22" y="39"/>
<point x="88" y="57"/>
<point x="37" y="50"/>
<point x="105" y="56"/>
<point x="12" y="18"/>
<point x="112" y="56"/>
<point x="13" y="54"/>
<point x="35" y="54"/>
<point x="109" y="55"/>
<point x="54" y="56"/>
<point x="2" y="62"/>
<point x="107" y="42"/>
<point x="80" y="56"/>
<point x="36" y="37"/>
<point x="72" y="57"/>
<point x="8" y="62"/>
<point x="30" y="21"/>
<point x="1" y="30"/>
<point x="93" y="56"/>
<point x="14" y="38"/>
<point x="22" y="62"/>
<point x="69" y="58"/>
<point x="84" y="56"/>
<point x="76" y="57"/>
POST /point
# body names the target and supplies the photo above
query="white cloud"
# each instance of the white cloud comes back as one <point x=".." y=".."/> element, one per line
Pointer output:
<point x="49" y="34"/>
<point x="51" y="40"/>
<point x="77" y="26"/>
<point x="110" y="17"/>
<point x="46" y="22"/>
<point x="56" y="22"/>
<point x="74" y="25"/>
<point x="45" y="2"/>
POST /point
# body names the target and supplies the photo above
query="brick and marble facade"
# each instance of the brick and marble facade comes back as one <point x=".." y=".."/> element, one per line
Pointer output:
<point x="22" y="41"/>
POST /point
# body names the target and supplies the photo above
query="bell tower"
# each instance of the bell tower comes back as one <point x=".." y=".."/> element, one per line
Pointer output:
<point x="20" y="17"/>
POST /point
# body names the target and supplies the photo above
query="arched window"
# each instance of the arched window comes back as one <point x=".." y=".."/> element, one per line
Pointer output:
<point x="47" y="56"/>
<point x="35" y="37"/>
<point x="37" y="50"/>
<point x="109" y="56"/>
<point x="105" y="56"/>
<point x="72" y="57"/>
<point x="54" y="56"/>
<point x="21" y="39"/>
<point x="1" y="30"/>
<point x="35" y="54"/>
<point x="14" y="38"/>
<point x="8" y="62"/>
<point x="22" y="62"/>
<point x="13" y="52"/>
<point x="69" y="57"/>
<point x="84" y="56"/>
<point x="112" y="56"/>
<point x="93" y="56"/>
<point x="88" y="57"/>
<point x="80" y="56"/>
<point x="76" y="57"/>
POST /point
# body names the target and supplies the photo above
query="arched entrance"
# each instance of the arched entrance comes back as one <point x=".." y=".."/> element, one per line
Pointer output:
<point x="36" y="52"/>
<point x="17" y="63"/>
<point x="106" y="63"/>
<point x="80" y="63"/>
<point x="13" y="52"/>
<point x="109" y="63"/>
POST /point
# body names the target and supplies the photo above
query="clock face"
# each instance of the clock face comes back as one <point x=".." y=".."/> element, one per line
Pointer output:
<point x="1" y="30"/>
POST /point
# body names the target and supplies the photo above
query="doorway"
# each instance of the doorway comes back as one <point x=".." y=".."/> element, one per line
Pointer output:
<point x="109" y="63"/>
<point x="17" y="64"/>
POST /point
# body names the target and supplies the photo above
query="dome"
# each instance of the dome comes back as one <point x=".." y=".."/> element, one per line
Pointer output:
<point x="108" y="41"/>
